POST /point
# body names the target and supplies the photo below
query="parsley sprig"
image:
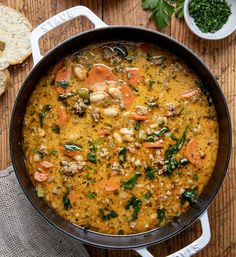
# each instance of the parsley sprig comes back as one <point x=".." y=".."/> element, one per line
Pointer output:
<point x="162" y="10"/>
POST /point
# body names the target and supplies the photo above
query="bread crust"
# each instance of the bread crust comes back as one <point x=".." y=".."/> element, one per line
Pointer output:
<point x="4" y="80"/>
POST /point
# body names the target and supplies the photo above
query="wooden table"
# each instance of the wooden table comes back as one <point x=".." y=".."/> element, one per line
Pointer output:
<point x="220" y="56"/>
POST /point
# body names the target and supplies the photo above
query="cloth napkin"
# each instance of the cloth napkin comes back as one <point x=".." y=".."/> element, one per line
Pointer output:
<point x="23" y="232"/>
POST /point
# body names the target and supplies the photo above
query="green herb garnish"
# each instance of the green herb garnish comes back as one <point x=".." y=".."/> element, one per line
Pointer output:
<point x="107" y="214"/>
<point x="137" y="125"/>
<point x="161" y="214"/>
<point x="147" y="196"/>
<point x="150" y="172"/>
<point x="134" y="203"/>
<point x="92" y="157"/>
<point x="190" y="195"/>
<point x="209" y="16"/>
<point x="63" y="83"/>
<point x="72" y="147"/>
<point x="66" y="202"/>
<point x="122" y="156"/>
<point x="160" y="132"/>
<point x="43" y="114"/>
<point x="130" y="183"/>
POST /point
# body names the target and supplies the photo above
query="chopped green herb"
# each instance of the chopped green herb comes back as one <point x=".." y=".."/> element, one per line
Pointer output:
<point x="42" y="116"/>
<point x="151" y="83"/>
<point x="160" y="132"/>
<point x="150" y="172"/>
<point x="137" y="125"/>
<point x="56" y="128"/>
<point x="88" y="66"/>
<point x="130" y="183"/>
<point x="190" y="195"/>
<point x="107" y="214"/>
<point x="122" y="156"/>
<point x="209" y="16"/>
<point x="66" y="202"/>
<point x="63" y="83"/>
<point x="92" y="157"/>
<point x="129" y="75"/>
<point x="150" y="139"/>
<point x="91" y="195"/>
<point x="134" y="203"/>
<point x="161" y="214"/>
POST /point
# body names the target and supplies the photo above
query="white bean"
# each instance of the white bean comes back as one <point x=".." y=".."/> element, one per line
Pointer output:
<point x="78" y="158"/>
<point x="79" y="72"/>
<point x="128" y="138"/>
<point x="37" y="157"/>
<point x="97" y="96"/>
<point x="114" y="92"/>
<point x="126" y="131"/>
<point x="117" y="137"/>
<point x="110" y="112"/>
<point x="41" y="132"/>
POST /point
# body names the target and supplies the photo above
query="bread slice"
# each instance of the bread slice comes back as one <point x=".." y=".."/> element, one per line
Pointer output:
<point x="15" y="32"/>
<point x="4" y="80"/>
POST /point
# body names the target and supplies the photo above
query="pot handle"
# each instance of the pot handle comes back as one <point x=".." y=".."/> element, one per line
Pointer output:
<point x="57" y="20"/>
<point x="192" y="248"/>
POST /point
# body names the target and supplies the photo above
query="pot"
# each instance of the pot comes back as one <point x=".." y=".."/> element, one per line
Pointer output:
<point x="102" y="32"/>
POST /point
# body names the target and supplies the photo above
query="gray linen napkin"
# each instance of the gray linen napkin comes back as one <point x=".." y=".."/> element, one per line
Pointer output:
<point x="23" y="232"/>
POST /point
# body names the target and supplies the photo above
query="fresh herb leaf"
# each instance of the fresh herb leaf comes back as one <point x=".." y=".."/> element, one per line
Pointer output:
<point x="66" y="202"/>
<point x="150" y="172"/>
<point x="43" y="114"/>
<point x="150" y="139"/>
<point x="161" y="214"/>
<point x="40" y="153"/>
<point x="190" y="195"/>
<point x="130" y="183"/>
<point x="107" y="214"/>
<point x="137" y="125"/>
<point x="122" y="156"/>
<point x="151" y="83"/>
<point x="161" y="11"/>
<point x="56" y="128"/>
<point x="195" y="177"/>
<point x="92" y="157"/>
<point x="63" y="83"/>
<point x="179" y="9"/>
<point x="91" y="195"/>
<point x="160" y="132"/>
<point x="134" y="203"/>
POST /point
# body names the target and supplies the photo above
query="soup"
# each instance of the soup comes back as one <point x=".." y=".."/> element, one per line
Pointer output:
<point x="120" y="137"/>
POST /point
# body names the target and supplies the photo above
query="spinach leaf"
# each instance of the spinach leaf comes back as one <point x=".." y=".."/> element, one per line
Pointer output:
<point x="161" y="214"/>
<point x="66" y="202"/>
<point x="160" y="132"/>
<point x="92" y="157"/>
<point x="122" y="156"/>
<point x="130" y="183"/>
<point x="150" y="172"/>
<point x="190" y="195"/>
<point x="135" y="204"/>
<point x="107" y="214"/>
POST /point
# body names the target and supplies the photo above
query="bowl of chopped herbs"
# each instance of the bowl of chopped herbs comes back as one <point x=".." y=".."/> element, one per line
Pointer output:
<point x="211" y="19"/>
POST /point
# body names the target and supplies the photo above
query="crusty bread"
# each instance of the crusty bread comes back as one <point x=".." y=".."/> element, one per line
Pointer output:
<point x="4" y="80"/>
<point x="14" y="37"/>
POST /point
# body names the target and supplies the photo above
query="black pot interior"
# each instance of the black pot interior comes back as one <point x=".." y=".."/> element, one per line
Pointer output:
<point x="131" y="34"/>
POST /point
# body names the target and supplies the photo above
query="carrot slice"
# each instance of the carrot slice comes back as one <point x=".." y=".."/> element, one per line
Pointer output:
<point x="134" y="77"/>
<point x="126" y="93"/>
<point x="191" y="93"/>
<point x="135" y="116"/>
<point x="63" y="75"/>
<point x="98" y="74"/>
<point x="153" y="145"/>
<point x="192" y="154"/>
<point x="108" y="185"/>
<point x="62" y="115"/>
<point x="40" y="177"/>
<point x="57" y="67"/>
<point x="69" y="153"/>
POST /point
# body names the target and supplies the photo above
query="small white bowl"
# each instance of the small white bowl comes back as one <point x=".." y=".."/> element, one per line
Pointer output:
<point x="225" y="31"/>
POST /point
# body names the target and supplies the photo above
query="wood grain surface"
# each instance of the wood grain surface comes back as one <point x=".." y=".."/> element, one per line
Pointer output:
<point x="220" y="56"/>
